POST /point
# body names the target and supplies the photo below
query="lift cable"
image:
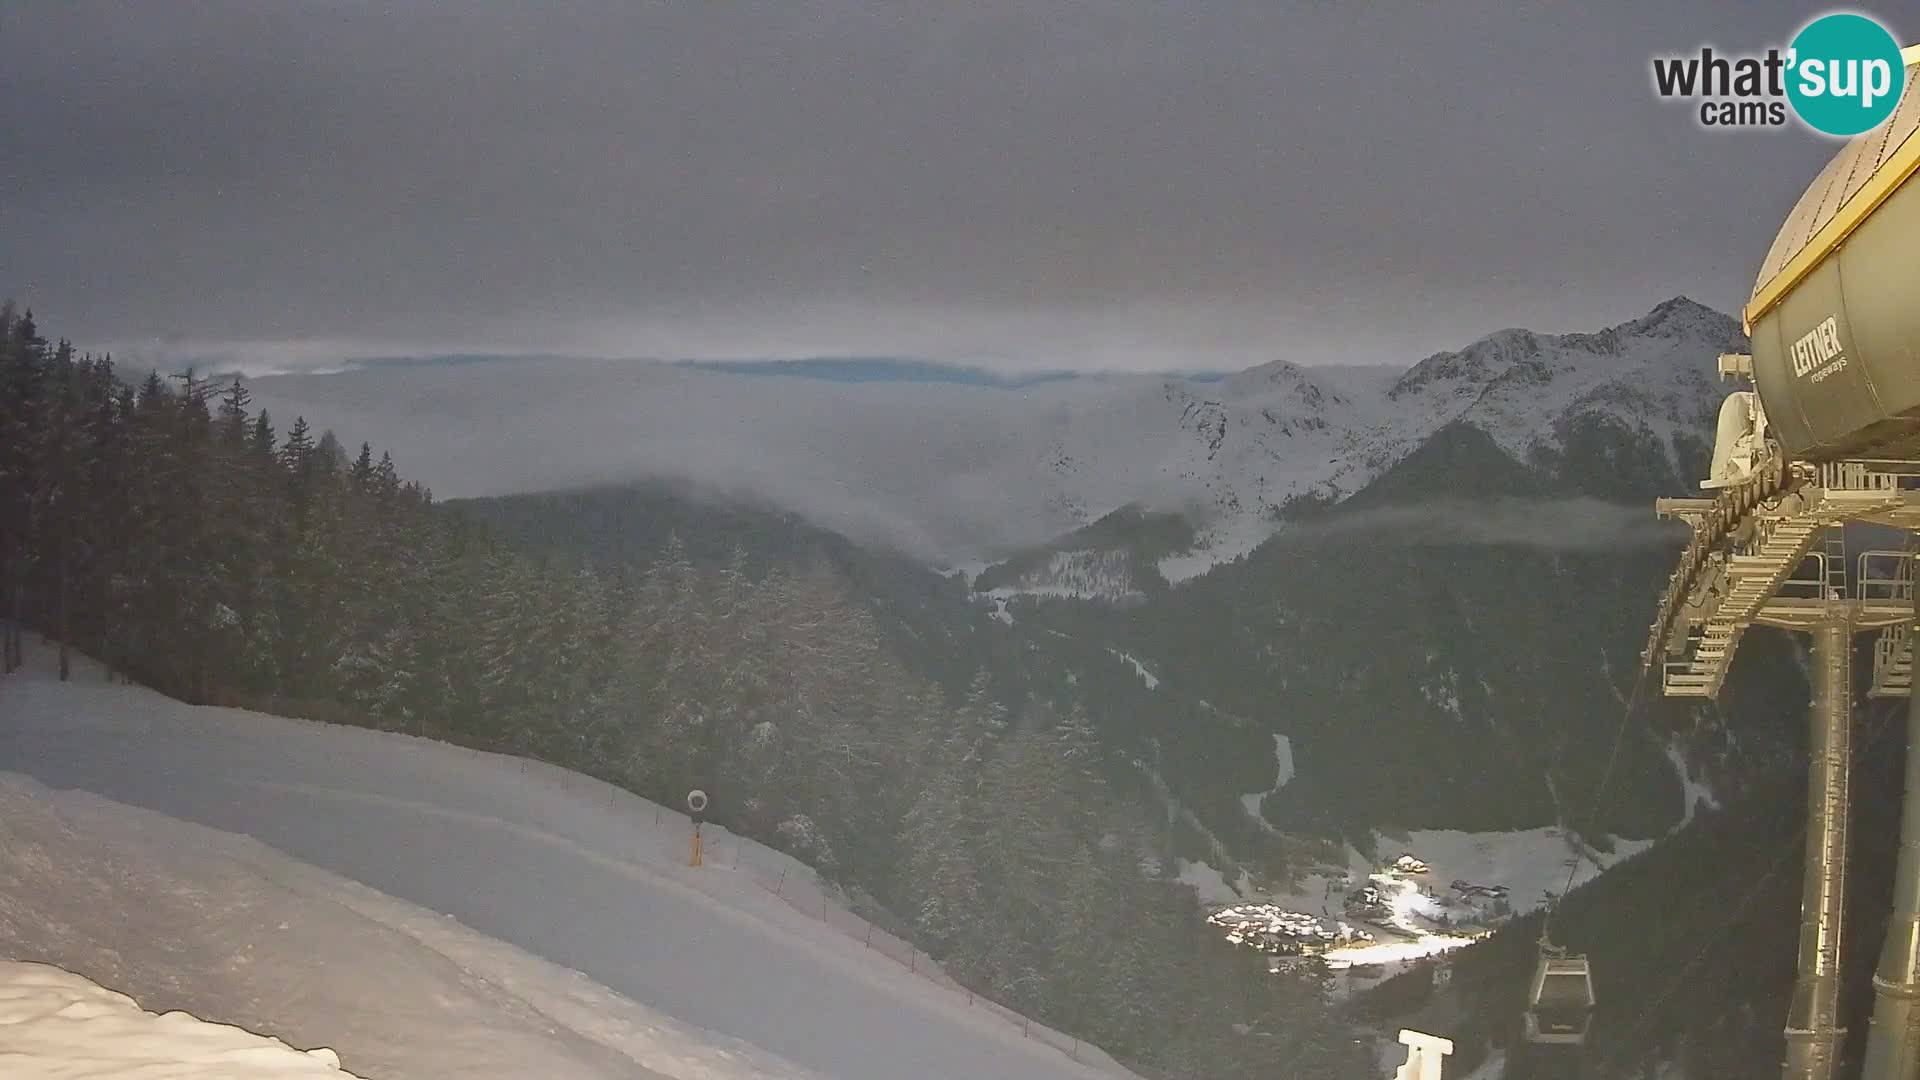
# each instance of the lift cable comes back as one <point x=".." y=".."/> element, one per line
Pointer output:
<point x="1739" y="911"/>
<point x="1599" y="798"/>
<point x="1773" y="482"/>
<point x="1773" y="479"/>
<point x="1794" y="846"/>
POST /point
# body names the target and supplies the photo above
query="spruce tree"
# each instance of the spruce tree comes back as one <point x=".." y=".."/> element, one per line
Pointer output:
<point x="232" y="428"/>
<point x="197" y="557"/>
<point x="261" y="439"/>
<point x="329" y="457"/>
<point x="22" y="358"/>
<point x="360" y="479"/>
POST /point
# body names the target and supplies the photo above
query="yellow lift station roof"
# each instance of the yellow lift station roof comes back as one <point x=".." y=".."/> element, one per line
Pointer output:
<point x="1852" y="186"/>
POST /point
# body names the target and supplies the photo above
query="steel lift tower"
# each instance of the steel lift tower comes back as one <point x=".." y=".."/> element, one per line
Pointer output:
<point x="1829" y="435"/>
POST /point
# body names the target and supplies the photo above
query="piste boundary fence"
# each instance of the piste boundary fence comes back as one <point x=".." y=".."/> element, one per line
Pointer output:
<point x="571" y="817"/>
<point x="798" y="886"/>
<point x="916" y="962"/>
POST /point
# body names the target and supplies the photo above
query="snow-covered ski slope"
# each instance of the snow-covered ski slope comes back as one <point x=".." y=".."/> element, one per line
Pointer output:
<point x="180" y="916"/>
<point x="565" y="868"/>
<point x="55" y="1025"/>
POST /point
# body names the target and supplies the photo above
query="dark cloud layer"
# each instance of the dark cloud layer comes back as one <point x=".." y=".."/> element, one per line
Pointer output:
<point x="1198" y="184"/>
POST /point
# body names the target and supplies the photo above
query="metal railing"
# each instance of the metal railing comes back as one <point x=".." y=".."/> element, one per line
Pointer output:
<point x="1884" y="575"/>
<point x="1813" y="587"/>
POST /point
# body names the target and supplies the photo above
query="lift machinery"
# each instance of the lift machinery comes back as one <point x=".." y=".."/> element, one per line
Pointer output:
<point x="1828" y="436"/>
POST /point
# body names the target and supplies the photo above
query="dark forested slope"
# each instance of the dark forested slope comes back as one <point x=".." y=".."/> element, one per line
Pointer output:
<point x="182" y="539"/>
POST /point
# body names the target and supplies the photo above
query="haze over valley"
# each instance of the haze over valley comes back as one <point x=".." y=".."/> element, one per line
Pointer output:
<point x="686" y="541"/>
<point x="958" y="473"/>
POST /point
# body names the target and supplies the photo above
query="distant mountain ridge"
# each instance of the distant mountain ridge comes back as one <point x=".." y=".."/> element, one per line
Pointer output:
<point x="1344" y="476"/>
<point x="1446" y="580"/>
<point x="961" y="472"/>
<point x="863" y="369"/>
<point x="1244" y="452"/>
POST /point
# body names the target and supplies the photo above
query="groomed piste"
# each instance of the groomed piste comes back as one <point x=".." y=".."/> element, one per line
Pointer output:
<point x="742" y="968"/>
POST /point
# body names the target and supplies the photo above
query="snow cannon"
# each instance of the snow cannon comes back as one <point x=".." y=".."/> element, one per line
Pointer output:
<point x="1835" y="315"/>
<point x="696" y="811"/>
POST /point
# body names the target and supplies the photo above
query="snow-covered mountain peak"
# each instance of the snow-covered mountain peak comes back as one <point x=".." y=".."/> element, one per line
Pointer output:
<point x="961" y="473"/>
<point x="1682" y="317"/>
<point x="1454" y="374"/>
<point x="1522" y="356"/>
<point x="1260" y="438"/>
<point x="1654" y="374"/>
<point x="1286" y="381"/>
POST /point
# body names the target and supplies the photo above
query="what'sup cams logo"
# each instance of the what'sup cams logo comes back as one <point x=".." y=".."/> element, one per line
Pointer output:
<point x="1841" y="75"/>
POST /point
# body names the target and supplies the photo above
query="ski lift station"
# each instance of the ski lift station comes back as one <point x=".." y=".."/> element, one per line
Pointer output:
<point x="1823" y="433"/>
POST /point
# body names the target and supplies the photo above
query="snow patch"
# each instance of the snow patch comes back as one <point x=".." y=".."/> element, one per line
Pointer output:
<point x="752" y="946"/>
<point x="1420" y="916"/>
<point x="1323" y="888"/>
<point x="1211" y="884"/>
<point x="966" y="571"/>
<point x="1217" y="545"/>
<point x="1148" y="677"/>
<point x="1446" y="696"/>
<point x="1000" y="611"/>
<point x="115" y="892"/>
<point x="1531" y="862"/>
<point x="1283" y="762"/>
<point x="1087" y="574"/>
<point x="1694" y="792"/>
<point x="55" y="1024"/>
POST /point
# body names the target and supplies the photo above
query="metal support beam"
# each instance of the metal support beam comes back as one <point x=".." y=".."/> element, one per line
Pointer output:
<point x="1813" y="1020"/>
<point x="1893" y="1043"/>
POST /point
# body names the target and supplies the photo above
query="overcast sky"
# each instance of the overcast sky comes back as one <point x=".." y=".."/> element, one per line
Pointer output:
<point x="1092" y="184"/>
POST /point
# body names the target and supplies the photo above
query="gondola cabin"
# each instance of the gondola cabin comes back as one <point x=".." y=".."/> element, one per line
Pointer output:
<point x="1560" y="1001"/>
